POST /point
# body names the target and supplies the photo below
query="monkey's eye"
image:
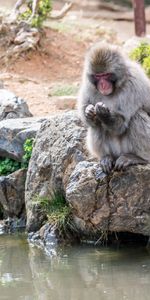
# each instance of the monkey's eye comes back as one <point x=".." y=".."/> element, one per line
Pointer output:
<point x="113" y="78"/>
<point x="92" y="78"/>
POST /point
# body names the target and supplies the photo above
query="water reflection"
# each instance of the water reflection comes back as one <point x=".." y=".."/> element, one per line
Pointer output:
<point x="77" y="273"/>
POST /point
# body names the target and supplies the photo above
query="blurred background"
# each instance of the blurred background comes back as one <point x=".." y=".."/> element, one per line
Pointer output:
<point x="47" y="74"/>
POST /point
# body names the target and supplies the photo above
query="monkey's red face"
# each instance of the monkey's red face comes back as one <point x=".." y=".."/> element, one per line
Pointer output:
<point x="104" y="82"/>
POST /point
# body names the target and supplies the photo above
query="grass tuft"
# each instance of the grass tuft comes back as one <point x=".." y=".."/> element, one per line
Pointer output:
<point x="63" y="90"/>
<point x="58" y="214"/>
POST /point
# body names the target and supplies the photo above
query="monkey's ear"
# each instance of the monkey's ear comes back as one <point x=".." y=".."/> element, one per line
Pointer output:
<point x="92" y="79"/>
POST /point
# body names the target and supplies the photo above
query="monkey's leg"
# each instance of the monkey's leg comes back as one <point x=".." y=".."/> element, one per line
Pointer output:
<point x="107" y="164"/>
<point x="112" y="121"/>
<point x="127" y="160"/>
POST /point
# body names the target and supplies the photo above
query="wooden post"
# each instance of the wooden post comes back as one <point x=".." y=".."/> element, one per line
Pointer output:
<point x="139" y="17"/>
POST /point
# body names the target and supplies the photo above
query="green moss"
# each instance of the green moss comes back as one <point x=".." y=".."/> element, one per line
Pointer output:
<point x="141" y="54"/>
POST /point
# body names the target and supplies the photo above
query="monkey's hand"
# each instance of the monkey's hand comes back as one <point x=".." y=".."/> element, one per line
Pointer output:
<point x="107" y="164"/>
<point x="102" y="112"/>
<point x="90" y="113"/>
<point x="128" y="160"/>
<point x="112" y="121"/>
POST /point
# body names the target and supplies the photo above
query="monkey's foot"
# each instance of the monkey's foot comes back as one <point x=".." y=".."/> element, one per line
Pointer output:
<point x="107" y="164"/>
<point x="128" y="160"/>
<point x="90" y="112"/>
<point x="102" y="112"/>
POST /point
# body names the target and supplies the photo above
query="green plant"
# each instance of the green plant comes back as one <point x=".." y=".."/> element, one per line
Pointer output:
<point x="141" y="54"/>
<point x="146" y="65"/>
<point x="58" y="213"/>
<point x="44" y="8"/>
<point x="28" y="147"/>
<point x="8" y="166"/>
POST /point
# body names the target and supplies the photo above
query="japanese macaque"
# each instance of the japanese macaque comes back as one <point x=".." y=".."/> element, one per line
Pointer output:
<point x="114" y="102"/>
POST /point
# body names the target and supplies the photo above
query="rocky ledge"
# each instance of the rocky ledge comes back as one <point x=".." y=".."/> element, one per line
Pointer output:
<point x="99" y="203"/>
<point x="60" y="165"/>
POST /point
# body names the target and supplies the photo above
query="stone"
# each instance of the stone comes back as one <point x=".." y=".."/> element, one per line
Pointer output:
<point x="14" y="132"/>
<point x="12" y="189"/>
<point x="59" y="147"/>
<point x="129" y="200"/>
<point x="12" y="107"/>
<point x="86" y="193"/>
<point x="24" y="36"/>
<point x="116" y="203"/>
<point x="100" y="204"/>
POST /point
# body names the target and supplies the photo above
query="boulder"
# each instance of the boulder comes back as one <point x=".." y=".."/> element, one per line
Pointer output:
<point x="12" y="194"/>
<point x="116" y="203"/>
<point x="13" y="133"/>
<point x="119" y="202"/>
<point x="59" y="147"/>
<point x="12" y="107"/>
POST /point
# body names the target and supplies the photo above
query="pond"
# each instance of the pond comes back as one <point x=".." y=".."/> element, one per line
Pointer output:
<point x="76" y="273"/>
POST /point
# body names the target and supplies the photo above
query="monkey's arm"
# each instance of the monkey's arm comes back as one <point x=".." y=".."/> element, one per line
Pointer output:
<point x="111" y="121"/>
<point x="86" y="105"/>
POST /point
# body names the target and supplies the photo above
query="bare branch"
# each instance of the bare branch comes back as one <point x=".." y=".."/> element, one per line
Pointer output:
<point x="18" y="4"/>
<point x="63" y="11"/>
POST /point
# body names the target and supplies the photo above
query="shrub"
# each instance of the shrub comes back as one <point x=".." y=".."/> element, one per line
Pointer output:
<point x="43" y="10"/>
<point x="141" y="54"/>
<point x="146" y="65"/>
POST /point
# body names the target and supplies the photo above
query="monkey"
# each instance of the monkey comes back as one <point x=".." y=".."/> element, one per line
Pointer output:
<point x="114" y="104"/>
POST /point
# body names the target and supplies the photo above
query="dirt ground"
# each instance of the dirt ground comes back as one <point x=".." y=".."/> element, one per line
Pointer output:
<point x="35" y="74"/>
<point x="43" y="77"/>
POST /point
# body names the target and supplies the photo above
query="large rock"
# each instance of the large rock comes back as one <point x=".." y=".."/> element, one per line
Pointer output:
<point x="119" y="203"/>
<point x="12" y="107"/>
<point x="12" y="194"/>
<point x="14" y="132"/>
<point x="59" y="147"/>
<point x="100" y="203"/>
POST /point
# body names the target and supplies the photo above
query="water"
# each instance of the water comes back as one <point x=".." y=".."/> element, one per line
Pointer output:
<point x="77" y="273"/>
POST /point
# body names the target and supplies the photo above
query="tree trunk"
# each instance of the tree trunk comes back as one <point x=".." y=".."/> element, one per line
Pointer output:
<point x="139" y="17"/>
